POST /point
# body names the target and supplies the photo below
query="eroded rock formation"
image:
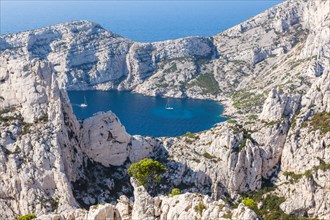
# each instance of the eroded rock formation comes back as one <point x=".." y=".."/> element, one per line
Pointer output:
<point x="271" y="72"/>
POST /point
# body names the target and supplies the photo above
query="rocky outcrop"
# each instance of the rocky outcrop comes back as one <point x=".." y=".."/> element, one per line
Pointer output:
<point x="35" y="174"/>
<point x="105" y="139"/>
<point x="278" y="105"/>
<point x="277" y="90"/>
<point x="185" y="206"/>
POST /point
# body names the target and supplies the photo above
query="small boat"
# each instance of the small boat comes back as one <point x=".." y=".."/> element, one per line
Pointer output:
<point x="168" y="107"/>
<point x="84" y="105"/>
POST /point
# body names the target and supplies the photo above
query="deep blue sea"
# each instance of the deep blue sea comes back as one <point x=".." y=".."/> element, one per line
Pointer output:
<point x="146" y="115"/>
<point x="137" y="20"/>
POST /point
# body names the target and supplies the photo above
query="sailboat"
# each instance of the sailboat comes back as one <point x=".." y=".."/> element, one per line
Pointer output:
<point x="84" y="105"/>
<point x="168" y="107"/>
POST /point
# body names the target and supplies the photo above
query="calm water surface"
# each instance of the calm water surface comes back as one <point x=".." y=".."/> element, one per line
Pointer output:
<point x="151" y="20"/>
<point x="148" y="115"/>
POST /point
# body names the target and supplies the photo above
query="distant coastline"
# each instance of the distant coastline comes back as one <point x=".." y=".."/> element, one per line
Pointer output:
<point x="143" y="21"/>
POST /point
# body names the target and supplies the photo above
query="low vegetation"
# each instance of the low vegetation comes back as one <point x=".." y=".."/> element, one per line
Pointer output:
<point x="272" y="123"/>
<point x="246" y="100"/>
<point x="207" y="83"/>
<point x="208" y="156"/>
<point x="147" y="172"/>
<point x="246" y="136"/>
<point x="6" y="118"/>
<point x="27" y="217"/>
<point x="228" y="215"/>
<point x="43" y="118"/>
<point x="231" y="121"/>
<point x="173" y="68"/>
<point x="174" y="192"/>
<point x="295" y="177"/>
<point x="26" y="128"/>
<point x="319" y="121"/>
<point x="250" y="203"/>
<point x="253" y="117"/>
<point x="200" y="207"/>
<point x="189" y="135"/>
<point x="269" y="205"/>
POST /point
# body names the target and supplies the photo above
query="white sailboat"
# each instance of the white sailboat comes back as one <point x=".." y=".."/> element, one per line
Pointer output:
<point x="168" y="107"/>
<point x="84" y="105"/>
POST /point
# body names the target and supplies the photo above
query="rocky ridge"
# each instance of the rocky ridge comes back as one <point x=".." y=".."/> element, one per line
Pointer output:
<point x="277" y="90"/>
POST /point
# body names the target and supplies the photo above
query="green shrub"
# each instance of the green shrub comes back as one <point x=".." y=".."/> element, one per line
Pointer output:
<point x="27" y="217"/>
<point x="253" y="117"/>
<point x="272" y="123"/>
<point x="250" y="203"/>
<point x="227" y="215"/>
<point x="26" y="128"/>
<point x="196" y="160"/>
<point x="294" y="177"/>
<point x="200" y="207"/>
<point x="208" y="156"/>
<point x="271" y="207"/>
<point x="147" y="172"/>
<point x="174" y="192"/>
<point x="323" y="165"/>
<point x="246" y="136"/>
<point x="190" y="135"/>
<point x="231" y="121"/>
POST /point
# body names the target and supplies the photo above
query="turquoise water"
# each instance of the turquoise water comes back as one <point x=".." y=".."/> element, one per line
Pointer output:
<point x="136" y="20"/>
<point x="146" y="115"/>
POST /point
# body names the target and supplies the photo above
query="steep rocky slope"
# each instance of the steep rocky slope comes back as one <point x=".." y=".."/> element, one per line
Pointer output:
<point x="272" y="72"/>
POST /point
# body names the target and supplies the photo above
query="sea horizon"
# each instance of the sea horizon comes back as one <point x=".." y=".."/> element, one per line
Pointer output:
<point x="143" y="21"/>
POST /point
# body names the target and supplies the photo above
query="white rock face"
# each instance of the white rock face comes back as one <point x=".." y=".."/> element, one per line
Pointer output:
<point x="35" y="174"/>
<point x="276" y="106"/>
<point x="124" y="207"/>
<point x="52" y="164"/>
<point x="32" y="81"/>
<point x="140" y="148"/>
<point x="243" y="212"/>
<point x="103" y="212"/>
<point x="105" y="139"/>
<point x="184" y="206"/>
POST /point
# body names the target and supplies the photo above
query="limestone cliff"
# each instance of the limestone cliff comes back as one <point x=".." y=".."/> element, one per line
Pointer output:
<point x="272" y="73"/>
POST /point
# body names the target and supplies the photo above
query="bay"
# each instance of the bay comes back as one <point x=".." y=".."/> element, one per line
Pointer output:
<point x="146" y="115"/>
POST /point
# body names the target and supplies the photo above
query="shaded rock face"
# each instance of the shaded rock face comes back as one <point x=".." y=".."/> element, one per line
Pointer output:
<point x="52" y="163"/>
